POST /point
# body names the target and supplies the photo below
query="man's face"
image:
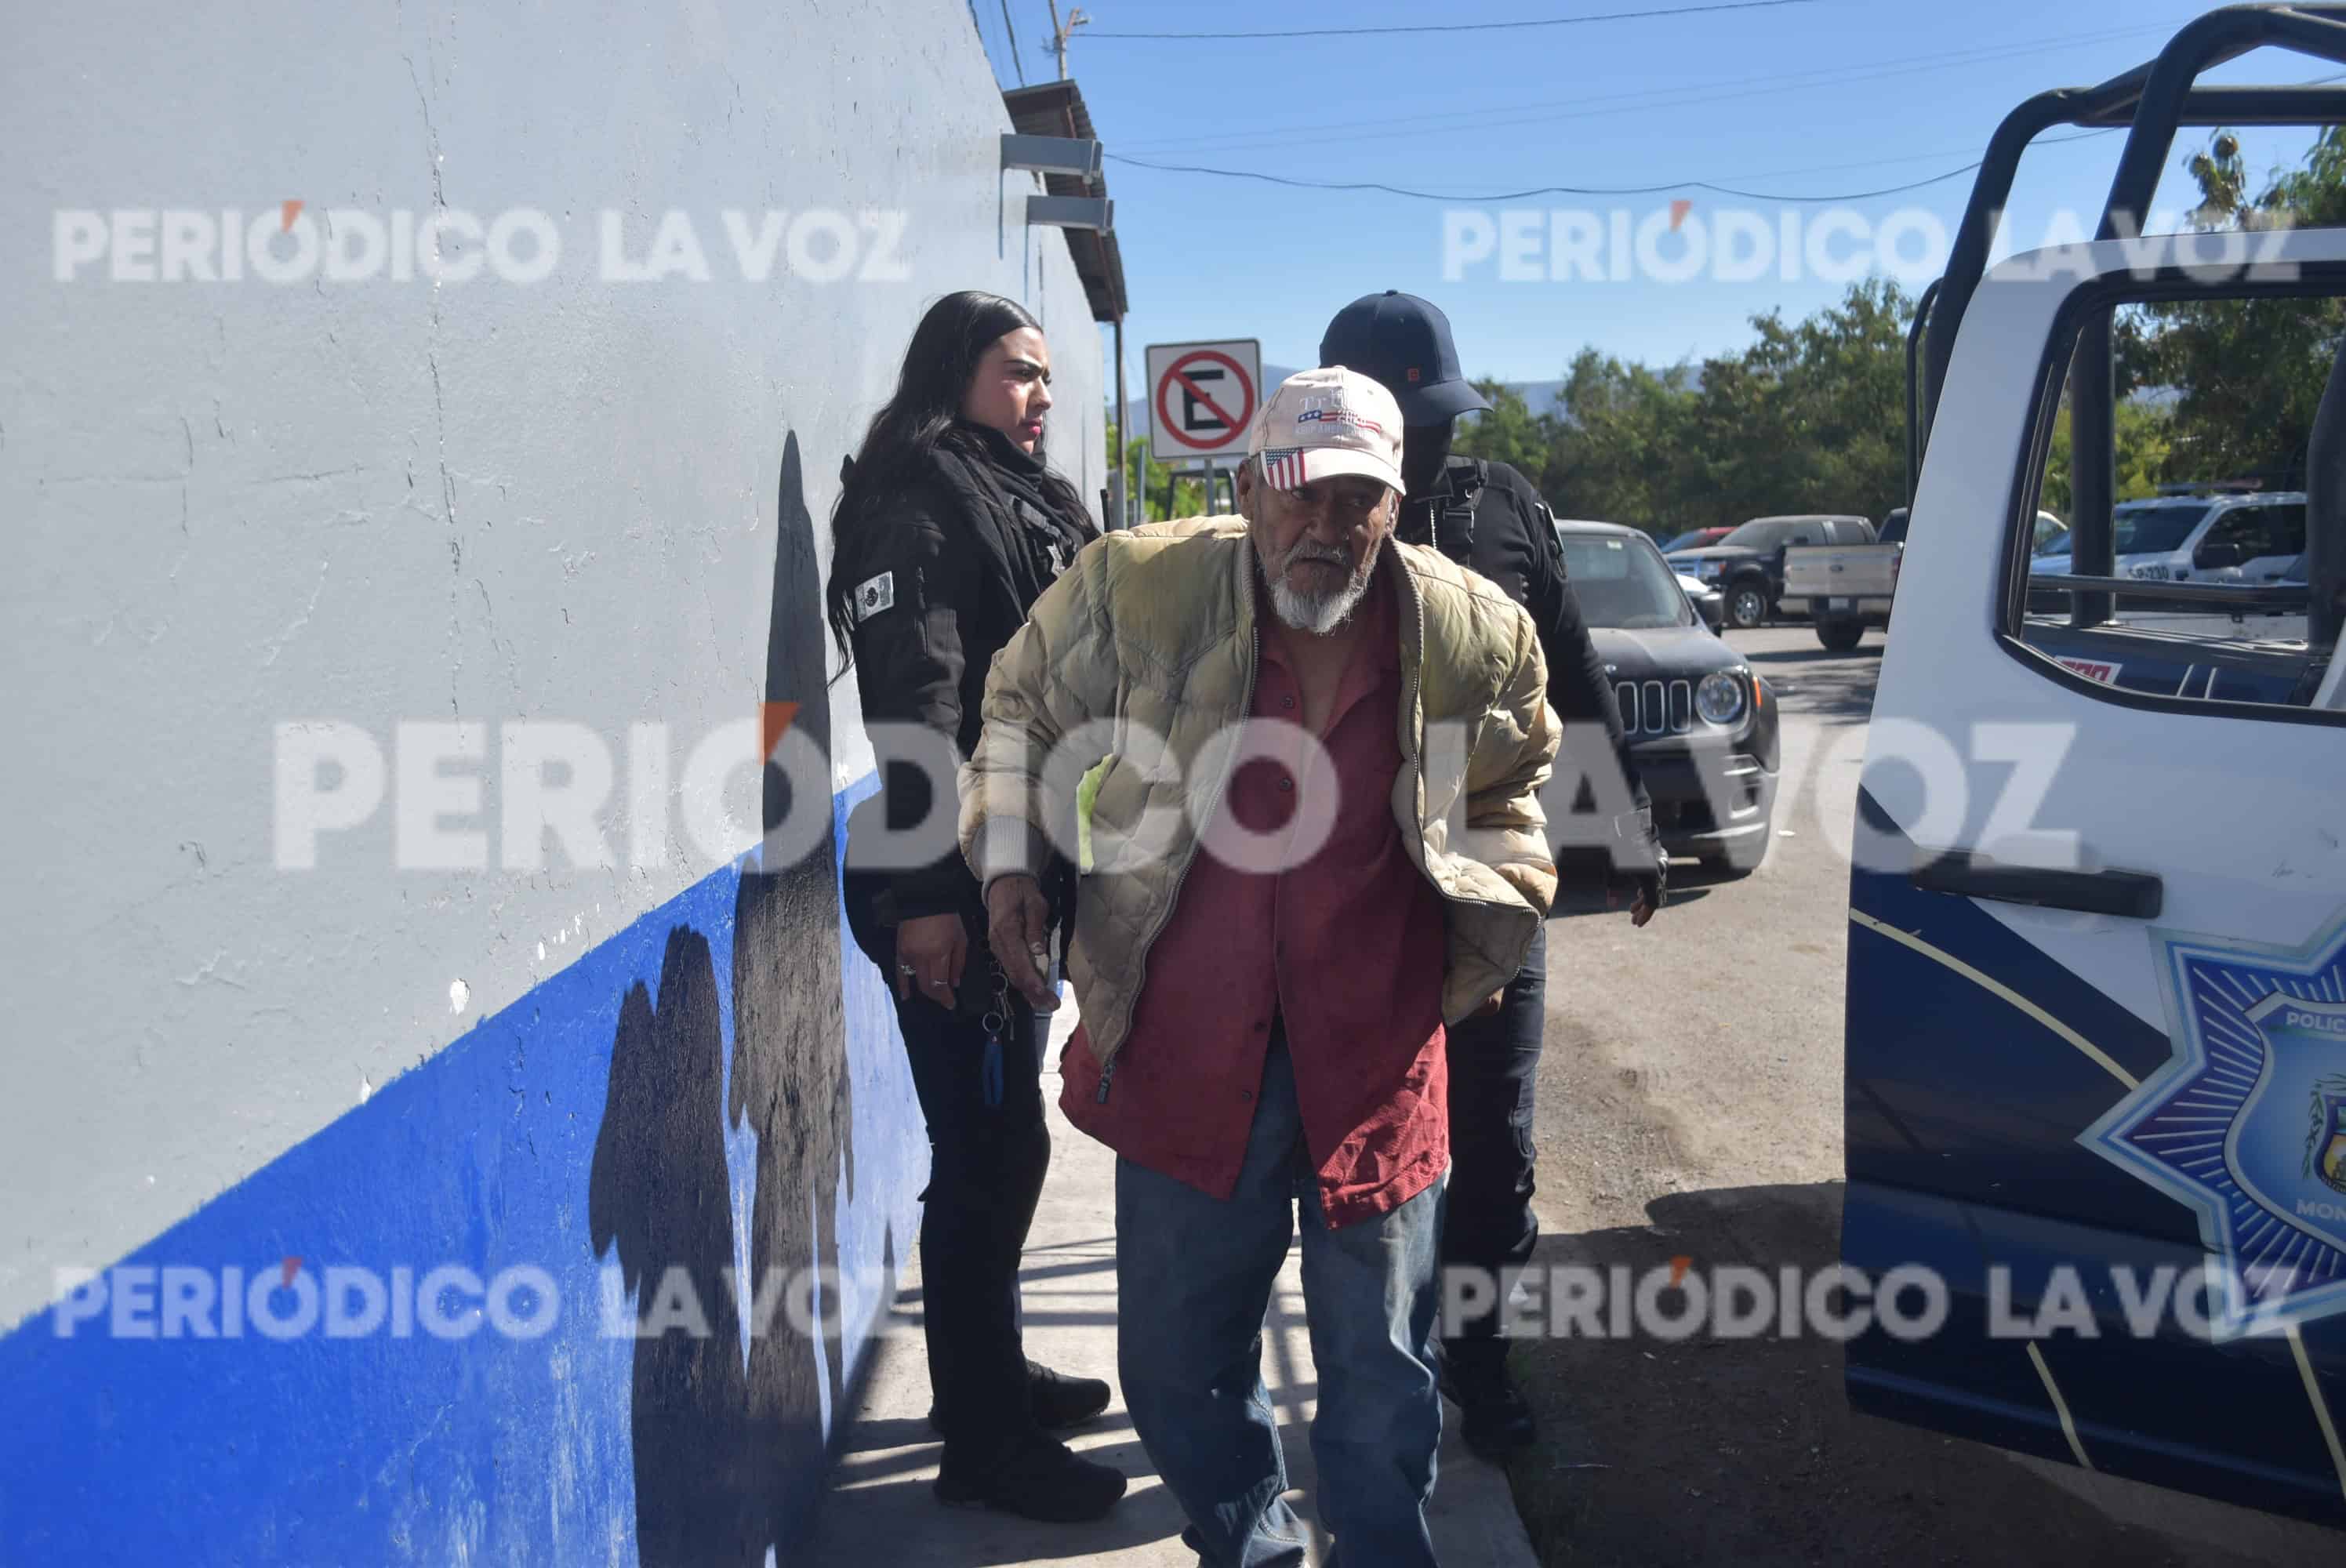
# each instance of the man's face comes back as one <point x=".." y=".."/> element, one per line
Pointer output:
<point x="1424" y="449"/>
<point x="1316" y="546"/>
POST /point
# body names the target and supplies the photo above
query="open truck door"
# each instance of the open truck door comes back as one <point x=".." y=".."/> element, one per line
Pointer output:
<point x="2096" y="993"/>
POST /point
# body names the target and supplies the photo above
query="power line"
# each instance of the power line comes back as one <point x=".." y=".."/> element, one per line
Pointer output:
<point x="1716" y="188"/>
<point x="1014" y="60"/>
<point x="1650" y="97"/>
<point x="1537" y="190"/>
<point x="1904" y="157"/>
<point x="1458" y="27"/>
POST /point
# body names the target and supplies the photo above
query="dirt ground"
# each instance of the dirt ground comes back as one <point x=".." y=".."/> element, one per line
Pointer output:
<point x="1690" y="1107"/>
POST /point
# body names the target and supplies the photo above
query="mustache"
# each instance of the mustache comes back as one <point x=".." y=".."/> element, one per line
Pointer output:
<point x="1312" y="550"/>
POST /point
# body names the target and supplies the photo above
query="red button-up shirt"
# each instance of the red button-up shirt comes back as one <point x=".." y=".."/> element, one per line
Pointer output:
<point x="1346" y="948"/>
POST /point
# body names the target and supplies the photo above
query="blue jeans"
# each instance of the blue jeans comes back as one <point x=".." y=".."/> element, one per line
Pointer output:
<point x="1194" y="1277"/>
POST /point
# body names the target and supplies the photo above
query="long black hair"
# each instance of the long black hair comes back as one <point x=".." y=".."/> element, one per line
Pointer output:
<point x="939" y="364"/>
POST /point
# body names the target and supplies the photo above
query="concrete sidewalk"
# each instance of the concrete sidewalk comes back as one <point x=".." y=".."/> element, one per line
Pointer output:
<point x="880" y="1513"/>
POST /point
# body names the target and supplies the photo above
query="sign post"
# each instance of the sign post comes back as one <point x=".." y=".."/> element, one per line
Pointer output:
<point x="1202" y="398"/>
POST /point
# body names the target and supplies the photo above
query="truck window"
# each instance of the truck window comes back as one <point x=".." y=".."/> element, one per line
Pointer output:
<point x="2244" y="529"/>
<point x="2288" y="529"/>
<point x="2155" y="528"/>
<point x="1623" y="583"/>
<point x="2229" y="633"/>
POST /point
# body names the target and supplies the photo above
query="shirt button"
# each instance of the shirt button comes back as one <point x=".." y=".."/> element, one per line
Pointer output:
<point x="1287" y="702"/>
<point x="1246" y="1094"/>
<point x="1286" y="784"/>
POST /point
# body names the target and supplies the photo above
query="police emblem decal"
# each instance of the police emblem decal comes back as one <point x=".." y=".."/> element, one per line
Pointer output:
<point x="874" y="594"/>
<point x="2325" y="1146"/>
<point x="2246" y="1123"/>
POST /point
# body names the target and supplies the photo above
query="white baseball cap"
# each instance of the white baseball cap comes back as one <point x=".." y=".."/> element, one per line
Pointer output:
<point x="1323" y="422"/>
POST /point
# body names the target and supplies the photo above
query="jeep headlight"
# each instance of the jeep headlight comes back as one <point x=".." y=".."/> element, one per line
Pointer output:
<point x="1706" y="570"/>
<point x="1720" y="697"/>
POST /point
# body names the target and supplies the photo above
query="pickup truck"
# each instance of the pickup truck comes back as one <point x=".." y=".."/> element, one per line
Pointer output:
<point x="2096" y="996"/>
<point x="1747" y="565"/>
<point x="1845" y="589"/>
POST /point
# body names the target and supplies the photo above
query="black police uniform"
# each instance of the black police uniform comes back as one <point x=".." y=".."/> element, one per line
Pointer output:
<point x="940" y="577"/>
<point x="1487" y="517"/>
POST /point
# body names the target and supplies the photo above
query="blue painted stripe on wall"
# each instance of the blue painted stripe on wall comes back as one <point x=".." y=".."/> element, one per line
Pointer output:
<point x="602" y="1125"/>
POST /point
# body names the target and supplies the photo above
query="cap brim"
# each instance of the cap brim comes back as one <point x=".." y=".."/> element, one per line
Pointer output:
<point x="1340" y="462"/>
<point x="1443" y="400"/>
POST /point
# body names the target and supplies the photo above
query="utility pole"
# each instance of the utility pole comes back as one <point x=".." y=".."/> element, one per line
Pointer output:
<point x="1060" y="35"/>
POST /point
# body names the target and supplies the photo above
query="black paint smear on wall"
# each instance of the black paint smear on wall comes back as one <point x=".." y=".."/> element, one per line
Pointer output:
<point x="791" y="1076"/>
<point x="728" y="1462"/>
<point x="657" y="1191"/>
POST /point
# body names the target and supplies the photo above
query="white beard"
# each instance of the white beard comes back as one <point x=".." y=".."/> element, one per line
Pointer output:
<point x="1317" y="613"/>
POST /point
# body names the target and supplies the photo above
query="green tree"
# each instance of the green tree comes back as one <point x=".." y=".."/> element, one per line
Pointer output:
<point x="2246" y="374"/>
<point x="1189" y="495"/>
<point x="1829" y="393"/>
<point x="2144" y="439"/>
<point x="1509" y="432"/>
<point x="1808" y="418"/>
<point x="1623" y="442"/>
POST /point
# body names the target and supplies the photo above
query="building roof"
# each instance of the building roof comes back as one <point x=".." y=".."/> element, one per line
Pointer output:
<point x="1056" y="109"/>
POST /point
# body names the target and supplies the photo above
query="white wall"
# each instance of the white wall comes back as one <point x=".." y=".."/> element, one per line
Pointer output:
<point x="231" y="504"/>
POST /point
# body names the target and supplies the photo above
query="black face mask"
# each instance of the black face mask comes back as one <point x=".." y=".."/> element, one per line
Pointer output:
<point x="1424" y="448"/>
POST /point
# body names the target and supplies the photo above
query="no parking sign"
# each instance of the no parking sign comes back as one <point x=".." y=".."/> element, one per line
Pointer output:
<point x="1202" y="398"/>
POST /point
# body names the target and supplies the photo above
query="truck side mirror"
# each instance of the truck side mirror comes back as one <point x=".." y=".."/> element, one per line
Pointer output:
<point x="2214" y="557"/>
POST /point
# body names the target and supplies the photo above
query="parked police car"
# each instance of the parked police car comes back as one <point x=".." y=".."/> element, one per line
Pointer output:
<point x="1701" y="722"/>
<point x="2097" y="997"/>
<point x="2202" y="537"/>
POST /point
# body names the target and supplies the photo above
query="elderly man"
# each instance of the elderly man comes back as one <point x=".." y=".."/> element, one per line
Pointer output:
<point x="1352" y="731"/>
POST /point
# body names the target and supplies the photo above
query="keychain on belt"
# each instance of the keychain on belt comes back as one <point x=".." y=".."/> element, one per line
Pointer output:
<point x="997" y="1019"/>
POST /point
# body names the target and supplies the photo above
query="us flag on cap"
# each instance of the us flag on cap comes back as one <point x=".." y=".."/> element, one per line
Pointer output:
<point x="1325" y="423"/>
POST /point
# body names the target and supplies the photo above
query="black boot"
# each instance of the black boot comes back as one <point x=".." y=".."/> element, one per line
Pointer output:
<point x="1498" y="1419"/>
<point x="1039" y="1478"/>
<point x="1058" y="1402"/>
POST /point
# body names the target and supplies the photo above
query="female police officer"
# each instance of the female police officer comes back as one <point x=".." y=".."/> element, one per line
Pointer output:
<point x="948" y="527"/>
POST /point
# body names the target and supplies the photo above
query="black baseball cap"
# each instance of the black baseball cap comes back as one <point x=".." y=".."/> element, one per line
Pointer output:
<point x="1403" y="341"/>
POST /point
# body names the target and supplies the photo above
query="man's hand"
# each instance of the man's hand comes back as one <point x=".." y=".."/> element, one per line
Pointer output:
<point x="1490" y="1003"/>
<point x="1644" y="900"/>
<point x="1648" y="884"/>
<point x="1018" y="929"/>
<point x="930" y="953"/>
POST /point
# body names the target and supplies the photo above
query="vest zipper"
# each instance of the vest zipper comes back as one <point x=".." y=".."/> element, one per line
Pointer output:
<point x="1416" y="719"/>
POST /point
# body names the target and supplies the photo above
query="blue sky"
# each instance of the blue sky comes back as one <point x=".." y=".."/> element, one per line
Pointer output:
<point x="1831" y="97"/>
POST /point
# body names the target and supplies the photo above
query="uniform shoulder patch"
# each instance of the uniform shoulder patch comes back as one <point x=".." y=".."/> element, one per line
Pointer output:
<point x="874" y="594"/>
